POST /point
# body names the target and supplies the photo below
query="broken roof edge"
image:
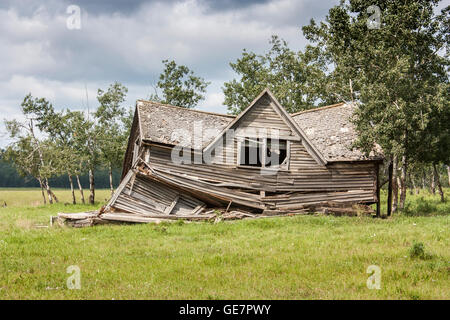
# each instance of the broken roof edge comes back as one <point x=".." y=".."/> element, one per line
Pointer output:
<point x="139" y="122"/>
<point x="319" y="108"/>
<point x="184" y="108"/>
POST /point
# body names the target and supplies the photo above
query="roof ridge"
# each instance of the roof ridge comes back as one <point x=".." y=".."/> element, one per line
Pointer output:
<point x="189" y="109"/>
<point x="319" y="108"/>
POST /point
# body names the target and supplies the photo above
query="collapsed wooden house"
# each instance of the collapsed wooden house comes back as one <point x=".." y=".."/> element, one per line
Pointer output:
<point x="182" y="163"/>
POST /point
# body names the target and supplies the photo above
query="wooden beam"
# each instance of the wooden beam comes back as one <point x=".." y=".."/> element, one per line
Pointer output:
<point x="119" y="189"/>
<point x="133" y="178"/>
<point x="389" y="200"/>
<point x="198" y="209"/>
<point x="170" y="208"/>
<point x="228" y="207"/>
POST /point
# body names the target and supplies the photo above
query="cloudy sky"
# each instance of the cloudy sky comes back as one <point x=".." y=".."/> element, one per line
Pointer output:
<point x="125" y="40"/>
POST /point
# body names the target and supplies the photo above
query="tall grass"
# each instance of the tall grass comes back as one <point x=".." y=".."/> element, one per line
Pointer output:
<point x="301" y="257"/>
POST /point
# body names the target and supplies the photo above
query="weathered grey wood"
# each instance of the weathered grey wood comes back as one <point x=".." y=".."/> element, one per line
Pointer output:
<point x="119" y="189"/>
<point x="306" y="177"/>
<point x="172" y="205"/>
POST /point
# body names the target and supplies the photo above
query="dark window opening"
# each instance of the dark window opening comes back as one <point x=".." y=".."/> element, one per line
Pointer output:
<point x="276" y="152"/>
<point x="251" y="152"/>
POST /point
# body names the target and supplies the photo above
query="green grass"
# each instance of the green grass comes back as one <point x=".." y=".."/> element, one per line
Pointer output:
<point x="32" y="197"/>
<point x="302" y="257"/>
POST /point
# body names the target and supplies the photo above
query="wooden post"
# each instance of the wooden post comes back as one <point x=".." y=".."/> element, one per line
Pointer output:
<point x="389" y="201"/>
<point x="378" y="189"/>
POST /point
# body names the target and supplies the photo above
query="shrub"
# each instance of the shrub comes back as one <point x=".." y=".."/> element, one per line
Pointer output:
<point x="419" y="207"/>
<point x="417" y="250"/>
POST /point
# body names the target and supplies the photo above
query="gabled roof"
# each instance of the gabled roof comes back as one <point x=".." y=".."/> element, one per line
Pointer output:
<point x="330" y="129"/>
<point x="327" y="132"/>
<point x="284" y="116"/>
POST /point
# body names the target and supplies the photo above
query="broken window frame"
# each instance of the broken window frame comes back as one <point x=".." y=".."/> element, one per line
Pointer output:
<point x="262" y="141"/>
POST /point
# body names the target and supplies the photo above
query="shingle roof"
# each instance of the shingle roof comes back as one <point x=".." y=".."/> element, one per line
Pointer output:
<point x="163" y="123"/>
<point x="328" y="128"/>
<point x="331" y="131"/>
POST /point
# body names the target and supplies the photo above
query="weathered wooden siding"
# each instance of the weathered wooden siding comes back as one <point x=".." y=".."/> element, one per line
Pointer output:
<point x="225" y="154"/>
<point x="304" y="181"/>
<point x="263" y="117"/>
<point x="134" y="134"/>
<point x="141" y="195"/>
<point x="355" y="182"/>
<point x="300" y="158"/>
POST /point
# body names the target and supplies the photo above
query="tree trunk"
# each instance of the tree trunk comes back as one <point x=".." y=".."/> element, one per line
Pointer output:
<point x="433" y="183"/>
<point x="412" y="187"/>
<point x="424" y="181"/>
<point x="403" y="183"/>
<point x="111" y="181"/>
<point x="54" y="196"/>
<point x="42" y="190"/>
<point x="394" y="185"/>
<point x="438" y="182"/>
<point x="91" y="186"/>
<point x="416" y="187"/>
<point x="389" y="195"/>
<point x="448" y="173"/>
<point x="49" y="192"/>
<point x="80" y="187"/>
<point x="74" y="200"/>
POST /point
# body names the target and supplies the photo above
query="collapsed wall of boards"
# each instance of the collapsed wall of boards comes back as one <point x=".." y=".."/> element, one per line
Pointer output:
<point x="160" y="190"/>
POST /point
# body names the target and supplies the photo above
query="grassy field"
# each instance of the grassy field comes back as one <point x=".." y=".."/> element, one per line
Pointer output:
<point x="302" y="257"/>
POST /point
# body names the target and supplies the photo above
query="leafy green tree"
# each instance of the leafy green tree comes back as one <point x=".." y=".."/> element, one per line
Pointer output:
<point x="67" y="133"/>
<point x="25" y="160"/>
<point x="180" y="86"/>
<point x="62" y="128"/>
<point x="393" y="72"/>
<point x="296" y="78"/>
<point x="112" y="128"/>
<point x="26" y="134"/>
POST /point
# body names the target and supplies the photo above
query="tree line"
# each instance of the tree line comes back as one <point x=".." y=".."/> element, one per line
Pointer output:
<point x="394" y="67"/>
<point x="51" y="144"/>
<point x="10" y="178"/>
<point x="392" y="64"/>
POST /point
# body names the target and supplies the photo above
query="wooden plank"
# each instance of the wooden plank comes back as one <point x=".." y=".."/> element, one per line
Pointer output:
<point x="133" y="178"/>
<point x="170" y="208"/>
<point x="198" y="209"/>
<point x="78" y="215"/>
<point x="120" y="188"/>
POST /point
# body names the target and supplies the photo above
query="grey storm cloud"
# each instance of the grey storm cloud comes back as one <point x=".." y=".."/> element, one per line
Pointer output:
<point x="125" y="7"/>
<point x="127" y="40"/>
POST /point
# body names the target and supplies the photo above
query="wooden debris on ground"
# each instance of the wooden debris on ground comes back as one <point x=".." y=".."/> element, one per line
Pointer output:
<point x="147" y="195"/>
<point x="85" y="219"/>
